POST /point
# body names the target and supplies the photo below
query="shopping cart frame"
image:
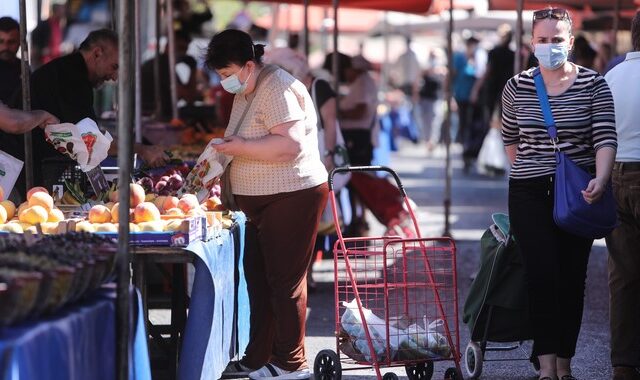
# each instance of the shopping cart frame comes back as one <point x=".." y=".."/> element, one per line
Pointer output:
<point x="328" y="364"/>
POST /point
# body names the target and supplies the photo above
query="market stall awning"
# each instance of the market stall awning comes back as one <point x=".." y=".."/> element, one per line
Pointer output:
<point x="292" y="19"/>
<point x="407" y="6"/>
<point x="595" y="5"/>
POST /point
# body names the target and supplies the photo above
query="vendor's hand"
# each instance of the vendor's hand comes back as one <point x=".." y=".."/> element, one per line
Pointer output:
<point x="594" y="190"/>
<point x="153" y="156"/>
<point x="45" y="118"/>
<point x="232" y="146"/>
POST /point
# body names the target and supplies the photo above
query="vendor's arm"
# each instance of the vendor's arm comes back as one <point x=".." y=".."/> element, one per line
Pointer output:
<point x="17" y="122"/>
<point x="152" y="155"/>
<point x="282" y="144"/>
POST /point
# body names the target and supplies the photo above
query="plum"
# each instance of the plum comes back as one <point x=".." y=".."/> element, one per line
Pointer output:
<point x="146" y="183"/>
<point x="160" y="185"/>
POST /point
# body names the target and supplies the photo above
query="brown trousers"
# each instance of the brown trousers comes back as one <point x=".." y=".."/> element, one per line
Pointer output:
<point x="624" y="270"/>
<point x="279" y="241"/>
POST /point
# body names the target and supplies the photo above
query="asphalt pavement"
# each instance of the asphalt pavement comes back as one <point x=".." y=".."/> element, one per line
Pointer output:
<point x="474" y="199"/>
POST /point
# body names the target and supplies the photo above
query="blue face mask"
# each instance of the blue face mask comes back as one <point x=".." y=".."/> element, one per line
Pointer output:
<point x="233" y="85"/>
<point x="551" y="56"/>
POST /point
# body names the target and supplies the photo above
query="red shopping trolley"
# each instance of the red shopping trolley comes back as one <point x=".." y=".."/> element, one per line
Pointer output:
<point x="396" y="301"/>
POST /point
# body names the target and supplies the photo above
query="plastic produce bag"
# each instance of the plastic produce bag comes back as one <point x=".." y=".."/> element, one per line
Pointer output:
<point x="82" y="142"/>
<point x="10" y="168"/>
<point x="492" y="155"/>
<point x="420" y="343"/>
<point x="208" y="169"/>
<point x="352" y="325"/>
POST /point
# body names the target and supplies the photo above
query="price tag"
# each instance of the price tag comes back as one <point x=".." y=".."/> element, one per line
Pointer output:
<point x="97" y="180"/>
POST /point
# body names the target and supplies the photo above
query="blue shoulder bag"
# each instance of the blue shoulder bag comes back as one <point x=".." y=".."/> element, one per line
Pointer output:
<point x="570" y="211"/>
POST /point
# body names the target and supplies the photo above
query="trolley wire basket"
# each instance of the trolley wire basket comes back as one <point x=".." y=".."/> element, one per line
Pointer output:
<point x="396" y="302"/>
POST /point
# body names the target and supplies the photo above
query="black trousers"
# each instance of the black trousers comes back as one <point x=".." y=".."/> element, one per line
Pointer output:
<point x="555" y="263"/>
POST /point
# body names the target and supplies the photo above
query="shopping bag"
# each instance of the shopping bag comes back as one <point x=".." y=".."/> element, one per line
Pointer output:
<point x="208" y="168"/>
<point x="10" y="168"/>
<point x="82" y="142"/>
<point x="492" y="156"/>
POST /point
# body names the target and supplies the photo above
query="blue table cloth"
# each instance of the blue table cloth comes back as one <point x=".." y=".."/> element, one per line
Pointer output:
<point x="217" y="327"/>
<point x="76" y="343"/>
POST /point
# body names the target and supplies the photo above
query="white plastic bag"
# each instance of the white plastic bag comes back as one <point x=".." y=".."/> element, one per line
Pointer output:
<point x="82" y="142"/>
<point x="208" y="169"/>
<point x="352" y="325"/>
<point x="492" y="155"/>
<point x="10" y="168"/>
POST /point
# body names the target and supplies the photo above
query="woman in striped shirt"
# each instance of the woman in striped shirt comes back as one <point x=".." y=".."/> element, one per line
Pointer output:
<point x="555" y="260"/>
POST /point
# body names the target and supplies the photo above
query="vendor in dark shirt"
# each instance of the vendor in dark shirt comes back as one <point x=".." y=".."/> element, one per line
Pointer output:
<point x="9" y="64"/>
<point x="64" y="87"/>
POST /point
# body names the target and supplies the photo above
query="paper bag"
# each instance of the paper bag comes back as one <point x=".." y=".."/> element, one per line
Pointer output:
<point x="10" y="168"/>
<point x="208" y="169"/>
<point x="82" y="142"/>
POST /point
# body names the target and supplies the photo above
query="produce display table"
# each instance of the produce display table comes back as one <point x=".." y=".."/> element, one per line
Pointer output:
<point x="76" y="343"/>
<point x="217" y="326"/>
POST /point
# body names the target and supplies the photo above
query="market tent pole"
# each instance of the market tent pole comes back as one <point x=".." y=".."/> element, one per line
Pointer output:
<point x="171" y="53"/>
<point x="137" y="73"/>
<point x="517" y="63"/>
<point x="156" y="61"/>
<point x="616" y="27"/>
<point x="26" y="92"/>
<point x="126" y="118"/>
<point x="334" y="63"/>
<point x="385" y="65"/>
<point x="447" y="126"/>
<point x="306" y="29"/>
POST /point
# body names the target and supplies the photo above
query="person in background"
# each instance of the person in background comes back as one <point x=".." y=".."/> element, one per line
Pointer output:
<point x="280" y="183"/>
<point x="499" y="70"/>
<point x="10" y="65"/>
<point x="406" y="72"/>
<point x="64" y="87"/>
<point x="429" y="95"/>
<point x="583" y="54"/>
<point x="16" y="122"/>
<point x="623" y="242"/>
<point x="555" y="261"/>
<point x="191" y="19"/>
<point x="186" y="90"/>
<point x="47" y="37"/>
<point x="602" y="57"/>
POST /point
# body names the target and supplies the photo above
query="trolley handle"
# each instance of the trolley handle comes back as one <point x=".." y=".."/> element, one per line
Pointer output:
<point x="377" y="168"/>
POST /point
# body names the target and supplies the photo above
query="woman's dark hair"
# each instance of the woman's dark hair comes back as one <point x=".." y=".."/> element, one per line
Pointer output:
<point x="232" y="46"/>
<point x="635" y="31"/>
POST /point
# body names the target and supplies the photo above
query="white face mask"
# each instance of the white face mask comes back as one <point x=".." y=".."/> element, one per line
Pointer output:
<point x="551" y="56"/>
<point x="233" y="85"/>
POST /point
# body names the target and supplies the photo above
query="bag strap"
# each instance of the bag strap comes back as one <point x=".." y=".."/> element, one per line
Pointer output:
<point x="266" y="71"/>
<point x="545" y="106"/>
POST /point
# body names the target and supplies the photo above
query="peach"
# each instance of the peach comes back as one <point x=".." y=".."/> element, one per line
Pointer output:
<point x="106" y="227"/>
<point x="41" y="198"/>
<point x="188" y="202"/>
<point x="174" y="211"/>
<point x="55" y="215"/>
<point x="36" y="189"/>
<point x="10" y="208"/>
<point x="151" y="226"/>
<point x="175" y="225"/>
<point x="1" y="193"/>
<point x="170" y="202"/>
<point x="150" y="197"/>
<point x="214" y="204"/>
<point x="146" y="212"/>
<point x="133" y="228"/>
<point x="99" y="214"/>
<point x="115" y="217"/>
<point x="16" y="228"/>
<point x="136" y="195"/>
<point x="34" y="214"/>
<point x="196" y="212"/>
<point x="85" y="226"/>
<point x="3" y="215"/>
<point x="49" y="228"/>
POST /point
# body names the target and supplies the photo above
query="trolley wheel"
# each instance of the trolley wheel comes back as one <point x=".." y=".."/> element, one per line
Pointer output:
<point x="452" y="374"/>
<point x="420" y="371"/>
<point x="327" y="366"/>
<point x="473" y="358"/>
<point x="390" y="376"/>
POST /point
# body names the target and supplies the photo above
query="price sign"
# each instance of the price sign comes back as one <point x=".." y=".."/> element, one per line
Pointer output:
<point x="98" y="180"/>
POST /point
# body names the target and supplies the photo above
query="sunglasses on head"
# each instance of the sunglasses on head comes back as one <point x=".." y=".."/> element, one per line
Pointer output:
<point x="552" y="13"/>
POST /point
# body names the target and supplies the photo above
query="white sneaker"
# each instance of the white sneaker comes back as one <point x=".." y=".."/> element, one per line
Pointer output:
<point x="235" y="370"/>
<point x="271" y="371"/>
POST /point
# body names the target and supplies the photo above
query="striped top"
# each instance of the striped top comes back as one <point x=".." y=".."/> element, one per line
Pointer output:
<point x="583" y="114"/>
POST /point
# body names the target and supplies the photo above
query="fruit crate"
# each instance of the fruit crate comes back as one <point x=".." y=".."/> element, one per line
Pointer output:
<point x="192" y="229"/>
